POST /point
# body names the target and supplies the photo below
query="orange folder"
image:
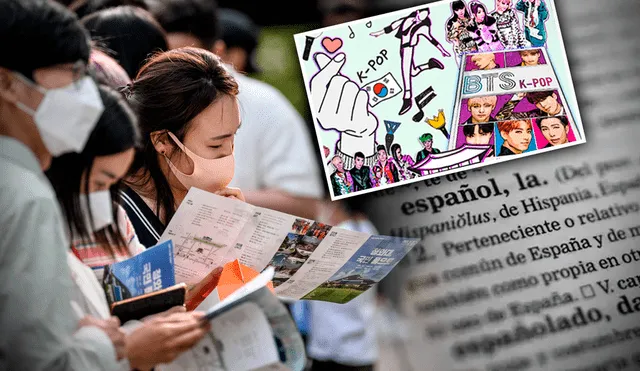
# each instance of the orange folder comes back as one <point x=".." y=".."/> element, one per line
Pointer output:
<point x="235" y="275"/>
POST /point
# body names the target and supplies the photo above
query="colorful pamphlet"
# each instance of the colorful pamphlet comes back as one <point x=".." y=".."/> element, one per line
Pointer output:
<point x="150" y="271"/>
<point x="311" y="260"/>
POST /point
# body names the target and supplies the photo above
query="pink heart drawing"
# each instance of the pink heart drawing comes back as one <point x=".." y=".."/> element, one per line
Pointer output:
<point x="331" y="45"/>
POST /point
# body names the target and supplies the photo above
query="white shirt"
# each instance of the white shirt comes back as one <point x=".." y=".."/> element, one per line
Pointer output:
<point x="345" y="333"/>
<point x="272" y="147"/>
<point x="39" y="327"/>
<point x="90" y="299"/>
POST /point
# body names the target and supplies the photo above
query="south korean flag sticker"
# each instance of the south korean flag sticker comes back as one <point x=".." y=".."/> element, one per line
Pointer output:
<point x="382" y="89"/>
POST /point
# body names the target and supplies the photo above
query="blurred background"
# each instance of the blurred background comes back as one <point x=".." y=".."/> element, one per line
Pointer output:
<point x="275" y="53"/>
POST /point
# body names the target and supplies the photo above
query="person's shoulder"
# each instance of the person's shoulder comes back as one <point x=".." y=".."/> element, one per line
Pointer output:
<point x="20" y="187"/>
<point x="504" y="151"/>
<point x="27" y="201"/>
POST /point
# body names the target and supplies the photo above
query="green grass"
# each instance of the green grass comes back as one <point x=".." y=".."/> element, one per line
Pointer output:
<point x="334" y="295"/>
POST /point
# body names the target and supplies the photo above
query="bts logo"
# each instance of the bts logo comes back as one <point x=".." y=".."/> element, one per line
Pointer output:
<point x="382" y="89"/>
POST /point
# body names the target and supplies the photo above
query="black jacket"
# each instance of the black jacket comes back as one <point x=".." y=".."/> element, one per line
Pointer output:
<point x="361" y="178"/>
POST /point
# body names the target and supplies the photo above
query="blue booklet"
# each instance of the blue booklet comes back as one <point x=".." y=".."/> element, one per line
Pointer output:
<point x="147" y="272"/>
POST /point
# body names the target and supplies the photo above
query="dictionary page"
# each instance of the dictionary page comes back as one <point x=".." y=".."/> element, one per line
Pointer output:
<point x="534" y="265"/>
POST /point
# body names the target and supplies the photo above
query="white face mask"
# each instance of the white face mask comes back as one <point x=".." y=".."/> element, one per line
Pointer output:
<point x="66" y="116"/>
<point x="101" y="208"/>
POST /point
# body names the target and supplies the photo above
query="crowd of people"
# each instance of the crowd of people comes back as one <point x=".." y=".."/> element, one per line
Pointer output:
<point x="110" y="111"/>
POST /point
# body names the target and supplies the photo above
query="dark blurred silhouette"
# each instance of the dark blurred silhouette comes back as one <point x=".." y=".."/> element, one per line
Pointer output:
<point x="240" y="36"/>
<point x="130" y="33"/>
<point x="340" y="11"/>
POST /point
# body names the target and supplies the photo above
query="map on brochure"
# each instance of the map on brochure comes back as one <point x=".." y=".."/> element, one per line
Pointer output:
<point x="311" y="260"/>
<point x="435" y="89"/>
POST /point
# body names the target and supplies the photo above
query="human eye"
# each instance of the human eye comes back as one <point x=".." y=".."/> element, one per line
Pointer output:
<point x="99" y="185"/>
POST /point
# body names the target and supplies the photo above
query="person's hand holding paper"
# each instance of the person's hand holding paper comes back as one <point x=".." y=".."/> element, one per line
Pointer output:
<point x="162" y="338"/>
<point x="231" y="192"/>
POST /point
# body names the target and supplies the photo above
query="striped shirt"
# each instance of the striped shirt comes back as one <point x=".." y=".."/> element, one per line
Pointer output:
<point x="147" y="225"/>
<point x="96" y="255"/>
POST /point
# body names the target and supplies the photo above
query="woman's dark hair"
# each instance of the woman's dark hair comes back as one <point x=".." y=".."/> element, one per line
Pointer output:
<point x="115" y="132"/>
<point x="171" y="90"/>
<point x="130" y="32"/>
<point x="488" y="20"/>
<point x="39" y="33"/>
<point x="458" y="5"/>
<point x="394" y="149"/>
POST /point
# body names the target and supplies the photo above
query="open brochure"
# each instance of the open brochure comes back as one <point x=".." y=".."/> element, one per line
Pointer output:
<point x="311" y="260"/>
<point x="250" y="330"/>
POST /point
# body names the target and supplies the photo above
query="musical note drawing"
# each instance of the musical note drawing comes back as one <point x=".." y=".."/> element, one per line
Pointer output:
<point x="422" y="100"/>
<point x="369" y="24"/>
<point x="352" y="34"/>
<point x="307" y="46"/>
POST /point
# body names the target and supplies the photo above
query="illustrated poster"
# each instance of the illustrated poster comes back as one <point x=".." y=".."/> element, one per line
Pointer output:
<point x="435" y="89"/>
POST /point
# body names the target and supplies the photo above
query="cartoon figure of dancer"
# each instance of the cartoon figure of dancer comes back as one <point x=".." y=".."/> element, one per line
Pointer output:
<point x="484" y="30"/>
<point x="457" y="30"/>
<point x="509" y="31"/>
<point x="378" y="179"/>
<point x="341" y="180"/>
<point x="387" y="166"/>
<point x="409" y="30"/>
<point x="403" y="162"/>
<point x="426" y="140"/>
<point x="535" y="14"/>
